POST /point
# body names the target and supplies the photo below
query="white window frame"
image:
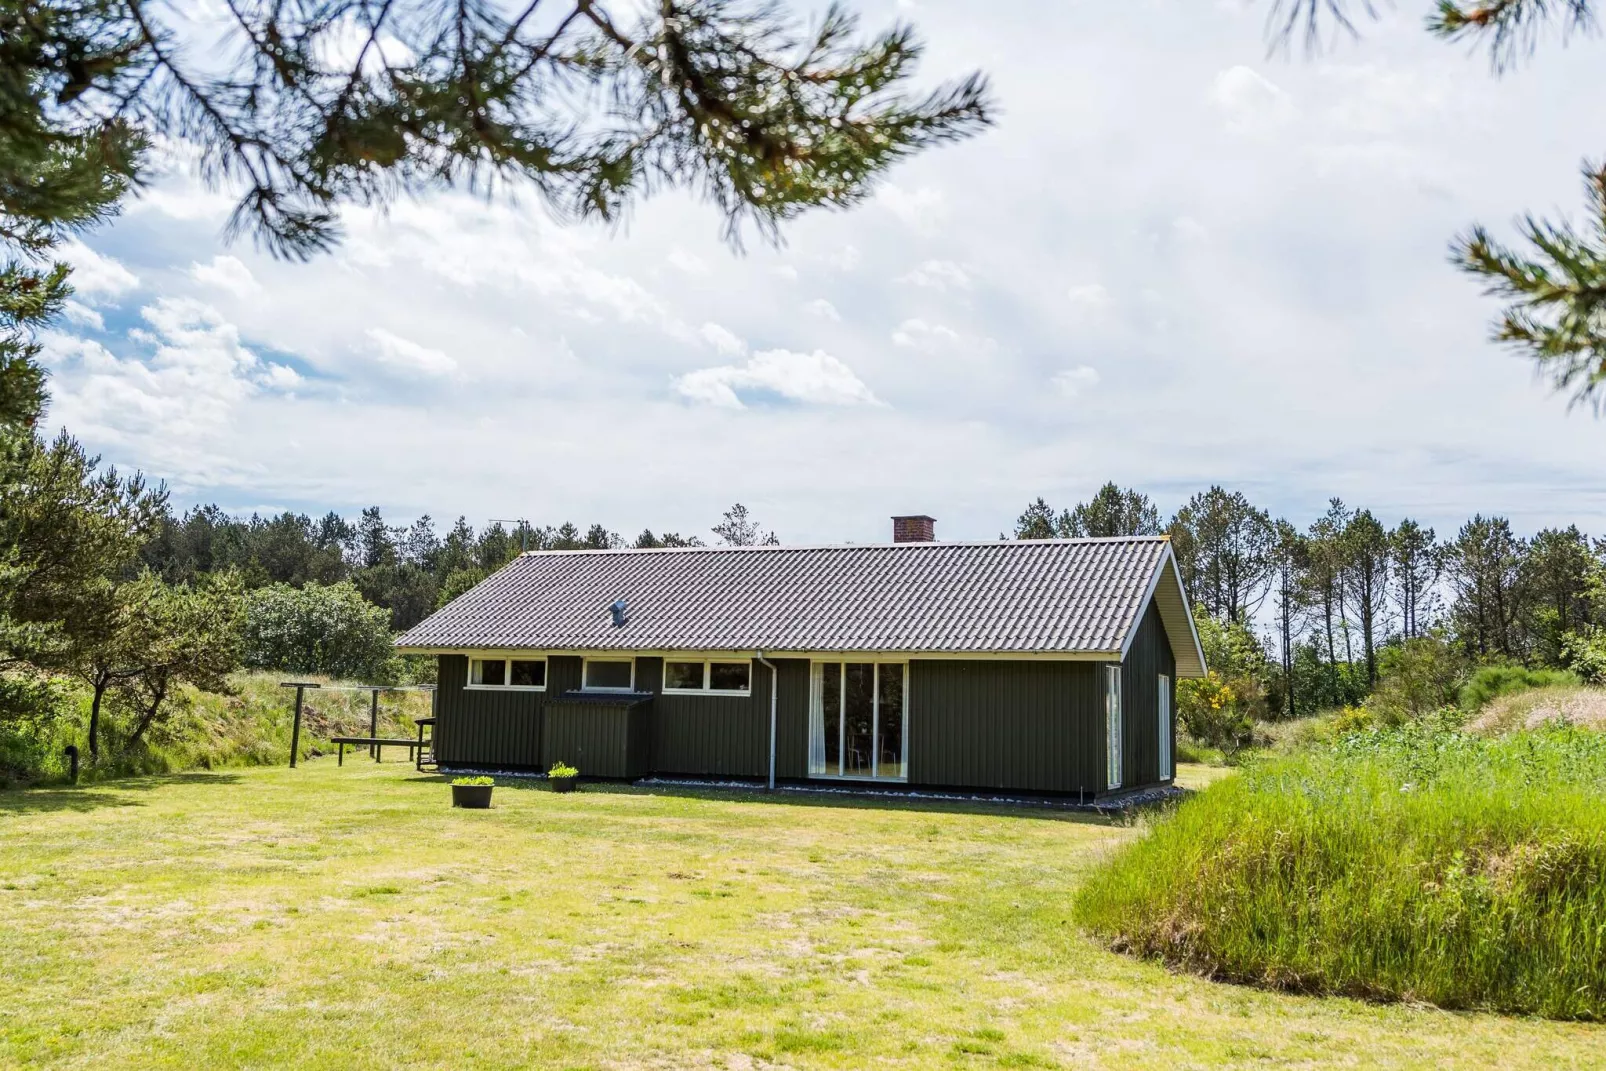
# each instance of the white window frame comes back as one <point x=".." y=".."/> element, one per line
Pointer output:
<point x="584" y="687"/>
<point x="1113" y="726"/>
<point x="708" y="676"/>
<point x="507" y="673"/>
<point x="816" y="707"/>
<point x="1168" y="761"/>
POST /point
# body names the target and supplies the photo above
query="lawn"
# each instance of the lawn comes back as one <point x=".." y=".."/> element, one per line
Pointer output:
<point x="327" y="917"/>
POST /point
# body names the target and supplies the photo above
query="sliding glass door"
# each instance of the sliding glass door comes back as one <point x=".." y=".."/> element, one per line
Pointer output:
<point x="858" y="720"/>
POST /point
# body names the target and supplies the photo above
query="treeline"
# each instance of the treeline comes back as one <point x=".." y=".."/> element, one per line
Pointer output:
<point x="1306" y="618"/>
<point x="409" y="570"/>
<point x="114" y="609"/>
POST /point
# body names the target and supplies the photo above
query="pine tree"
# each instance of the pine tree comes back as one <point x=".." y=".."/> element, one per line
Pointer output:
<point x="1224" y="547"/>
<point x="1418" y="562"/>
<point x="1555" y="577"/>
<point x="1111" y="512"/>
<point x="593" y="104"/>
<point x="1366" y="566"/>
<point x="1484" y="564"/>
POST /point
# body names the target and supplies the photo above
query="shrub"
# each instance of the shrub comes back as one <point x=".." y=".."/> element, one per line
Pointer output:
<point x="1585" y="654"/>
<point x="1416" y="677"/>
<point x="1410" y="863"/>
<point x="1491" y="681"/>
<point x="1352" y="720"/>
<point x="1212" y="711"/>
<point x="474" y="782"/>
<point x="562" y="769"/>
<point x="318" y="628"/>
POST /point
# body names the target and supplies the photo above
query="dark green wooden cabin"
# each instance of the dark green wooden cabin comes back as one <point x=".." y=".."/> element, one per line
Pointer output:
<point x="1037" y="666"/>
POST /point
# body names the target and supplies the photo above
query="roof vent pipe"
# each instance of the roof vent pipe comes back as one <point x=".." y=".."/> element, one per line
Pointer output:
<point x="617" y="609"/>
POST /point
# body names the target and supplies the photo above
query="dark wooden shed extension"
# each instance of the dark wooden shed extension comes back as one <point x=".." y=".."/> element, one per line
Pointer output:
<point x="1028" y="666"/>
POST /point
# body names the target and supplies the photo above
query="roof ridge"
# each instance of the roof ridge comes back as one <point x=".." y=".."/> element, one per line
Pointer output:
<point x="781" y="547"/>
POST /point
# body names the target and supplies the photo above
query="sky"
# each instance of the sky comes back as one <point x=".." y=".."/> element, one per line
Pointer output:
<point x="1175" y="261"/>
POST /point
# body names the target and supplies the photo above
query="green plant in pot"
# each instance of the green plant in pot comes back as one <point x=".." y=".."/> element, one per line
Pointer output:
<point x="472" y="792"/>
<point x="562" y="776"/>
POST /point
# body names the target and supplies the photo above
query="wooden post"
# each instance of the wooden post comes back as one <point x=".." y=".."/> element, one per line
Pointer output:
<point x="373" y="725"/>
<point x="295" y="726"/>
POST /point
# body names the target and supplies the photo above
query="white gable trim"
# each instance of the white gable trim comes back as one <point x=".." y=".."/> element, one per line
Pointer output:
<point x="1167" y="560"/>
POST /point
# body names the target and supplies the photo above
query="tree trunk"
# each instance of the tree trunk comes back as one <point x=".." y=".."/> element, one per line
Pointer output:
<point x="148" y="716"/>
<point x="100" y="682"/>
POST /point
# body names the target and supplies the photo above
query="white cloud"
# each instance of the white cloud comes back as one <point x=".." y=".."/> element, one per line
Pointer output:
<point x="919" y="334"/>
<point x="84" y="316"/>
<point x="816" y="378"/>
<point x="96" y="278"/>
<point x="845" y="259"/>
<point x="922" y="210"/>
<point x="1072" y="382"/>
<point x="723" y="340"/>
<point x="184" y="393"/>
<point x="1093" y="178"/>
<point x="1248" y="101"/>
<point x="689" y="263"/>
<point x="823" y="309"/>
<point x="939" y="275"/>
<point x="226" y="273"/>
<point x="1189" y="229"/>
<point x="1089" y="296"/>
<point x="405" y="355"/>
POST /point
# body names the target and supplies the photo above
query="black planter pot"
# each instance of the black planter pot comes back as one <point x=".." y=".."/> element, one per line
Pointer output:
<point x="561" y="784"/>
<point x="475" y="796"/>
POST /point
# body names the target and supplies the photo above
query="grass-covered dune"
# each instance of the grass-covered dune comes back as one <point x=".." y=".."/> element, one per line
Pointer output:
<point x="1440" y="867"/>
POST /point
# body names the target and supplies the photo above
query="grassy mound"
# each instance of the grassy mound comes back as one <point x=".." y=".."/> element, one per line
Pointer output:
<point x="1441" y="867"/>
<point x="202" y="730"/>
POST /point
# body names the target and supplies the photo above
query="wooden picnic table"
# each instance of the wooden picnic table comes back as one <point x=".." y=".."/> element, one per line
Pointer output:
<point x="378" y="743"/>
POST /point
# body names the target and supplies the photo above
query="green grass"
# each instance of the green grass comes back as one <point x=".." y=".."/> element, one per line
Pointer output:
<point x="1410" y="865"/>
<point x="1490" y="682"/>
<point x="204" y="730"/>
<point x="333" y="918"/>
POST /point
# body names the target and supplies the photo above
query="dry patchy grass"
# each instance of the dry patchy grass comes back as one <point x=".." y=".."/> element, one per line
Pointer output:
<point x="1530" y="709"/>
<point x="348" y="917"/>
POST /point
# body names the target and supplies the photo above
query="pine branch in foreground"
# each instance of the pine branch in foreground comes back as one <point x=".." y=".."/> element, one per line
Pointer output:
<point x="1557" y="294"/>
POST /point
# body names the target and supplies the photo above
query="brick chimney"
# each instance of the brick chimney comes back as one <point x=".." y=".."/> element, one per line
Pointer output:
<point x="919" y="529"/>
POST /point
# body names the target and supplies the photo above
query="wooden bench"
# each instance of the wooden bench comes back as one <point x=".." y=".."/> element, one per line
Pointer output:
<point x="378" y="743"/>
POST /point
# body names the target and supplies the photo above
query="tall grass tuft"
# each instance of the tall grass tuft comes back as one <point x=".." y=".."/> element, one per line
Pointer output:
<point x="1410" y="864"/>
<point x="1490" y="682"/>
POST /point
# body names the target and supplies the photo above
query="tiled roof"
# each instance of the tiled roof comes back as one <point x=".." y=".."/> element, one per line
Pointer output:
<point x="1066" y="596"/>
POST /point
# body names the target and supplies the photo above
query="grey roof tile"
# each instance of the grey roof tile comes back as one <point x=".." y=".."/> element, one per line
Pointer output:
<point x="1032" y="596"/>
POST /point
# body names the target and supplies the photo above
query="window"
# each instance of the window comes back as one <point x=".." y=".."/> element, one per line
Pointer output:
<point x="526" y="672"/>
<point x="522" y="673"/>
<point x="727" y="678"/>
<point x="858" y="720"/>
<point x="1112" y="723"/>
<point x="609" y="675"/>
<point x="1167" y="770"/>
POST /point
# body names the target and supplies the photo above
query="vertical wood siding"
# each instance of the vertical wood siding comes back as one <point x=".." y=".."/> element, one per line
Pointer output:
<point x="791" y="719"/>
<point x="708" y="735"/>
<point x="599" y="739"/>
<point x="485" y="728"/>
<point x="1149" y="657"/>
<point x="1022" y="726"/>
<point x="1027" y="726"/>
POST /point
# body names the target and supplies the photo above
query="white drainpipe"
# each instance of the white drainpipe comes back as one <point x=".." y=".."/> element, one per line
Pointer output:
<point x="775" y="689"/>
